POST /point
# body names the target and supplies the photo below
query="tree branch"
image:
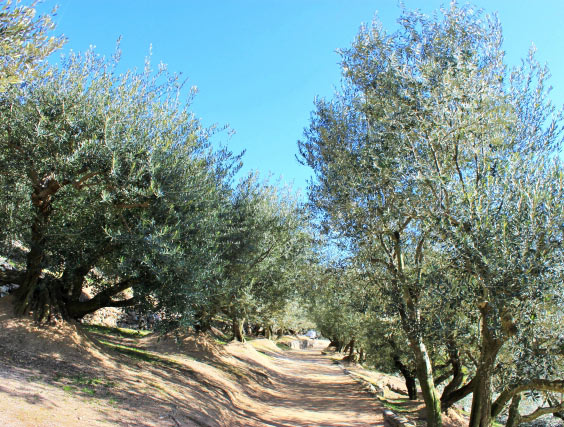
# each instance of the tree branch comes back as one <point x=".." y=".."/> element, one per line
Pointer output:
<point x="540" y="412"/>
<point x="449" y="399"/>
<point x="100" y="300"/>
<point x="122" y="303"/>
<point x="537" y="384"/>
<point x="80" y="183"/>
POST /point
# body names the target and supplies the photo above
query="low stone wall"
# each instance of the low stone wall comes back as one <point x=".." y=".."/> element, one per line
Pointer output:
<point x="391" y="419"/>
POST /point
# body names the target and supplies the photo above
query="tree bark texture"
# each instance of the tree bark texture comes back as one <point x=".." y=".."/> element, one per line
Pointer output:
<point x="513" y="419"/>
<point x="424" y="371"/>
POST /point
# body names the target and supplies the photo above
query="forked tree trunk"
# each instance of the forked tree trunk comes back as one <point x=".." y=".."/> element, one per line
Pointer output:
<point x="411" y="320"/>
<point x="337" y="344"/>
<point x="514" y="418"/>
<point x="410" y="315"/>
<point x="457" y="374"/>
<point x="350" y="348"/>
<point x="480" y="415"/>
<point x="268" y="332"/>
<point x="424" y="372"/>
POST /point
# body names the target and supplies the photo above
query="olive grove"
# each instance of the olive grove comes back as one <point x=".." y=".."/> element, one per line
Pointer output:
<point x="114" y="195"/>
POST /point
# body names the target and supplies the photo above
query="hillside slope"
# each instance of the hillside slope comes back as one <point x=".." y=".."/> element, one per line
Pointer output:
<point x="68" y="375"/>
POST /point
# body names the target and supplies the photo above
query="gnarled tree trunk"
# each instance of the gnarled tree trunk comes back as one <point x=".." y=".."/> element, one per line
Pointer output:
<point x="514" y="418"/>
<point x="28" y="296"/>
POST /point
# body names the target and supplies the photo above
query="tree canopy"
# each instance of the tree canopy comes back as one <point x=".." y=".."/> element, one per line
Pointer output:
<point x="438" y="183"/>
<point x="112" y="186"/>
<point x="438" y="168"/>
<point x="25" y="41"/>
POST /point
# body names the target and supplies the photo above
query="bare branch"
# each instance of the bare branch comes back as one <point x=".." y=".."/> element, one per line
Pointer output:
<point x="537" y="384"/>
<point x="540" y="412"/>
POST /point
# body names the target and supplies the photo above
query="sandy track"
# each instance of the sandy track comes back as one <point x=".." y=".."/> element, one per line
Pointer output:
<point x="312" y="391"/>
<point x="305" y="389"/>
<point x="56" y="376"/>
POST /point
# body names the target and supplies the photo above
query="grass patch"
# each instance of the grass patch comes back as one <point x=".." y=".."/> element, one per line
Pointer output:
<point x="137" y="353"/>
<point x="92" y="381"/>
<point x="398" y="405"/>
<point x="282" y="346"/>
<point x="84" y="384"/>
<point x="88" y="391"/>
<point x="116" y="332"/>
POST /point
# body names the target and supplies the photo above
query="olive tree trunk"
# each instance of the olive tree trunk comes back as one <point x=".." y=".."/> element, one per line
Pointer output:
<point x="237" y="328"/>
<point x="409" y="377"/>
<point x="481" y="412"/>
<point x="27" y="296"/>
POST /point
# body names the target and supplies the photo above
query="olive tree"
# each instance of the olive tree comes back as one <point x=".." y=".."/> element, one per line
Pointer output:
<point x="116" y="183"/>
<point x="266" y="248"/>
<point x="428" y="129"/>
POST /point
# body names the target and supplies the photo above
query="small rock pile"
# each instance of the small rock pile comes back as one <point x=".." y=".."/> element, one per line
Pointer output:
<point x="6" y="267"/>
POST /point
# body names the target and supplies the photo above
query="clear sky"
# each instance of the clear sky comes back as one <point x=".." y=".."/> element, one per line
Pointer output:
<point x="258" y="64"/>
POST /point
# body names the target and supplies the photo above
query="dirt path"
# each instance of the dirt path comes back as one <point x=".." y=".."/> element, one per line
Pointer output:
<point x="313" y="391"/>
<point x="57" y="377"/>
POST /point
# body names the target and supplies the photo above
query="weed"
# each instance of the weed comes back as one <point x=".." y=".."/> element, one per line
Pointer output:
<point x="91" y="381"/>
<point x="88" y="391"/>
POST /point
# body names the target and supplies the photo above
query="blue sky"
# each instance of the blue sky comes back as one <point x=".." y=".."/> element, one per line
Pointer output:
<point x="258" y="64"/>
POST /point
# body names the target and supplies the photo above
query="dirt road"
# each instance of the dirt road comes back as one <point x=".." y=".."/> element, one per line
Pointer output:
<point x="313" y="391"/>
<point x="57" y="377"/>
